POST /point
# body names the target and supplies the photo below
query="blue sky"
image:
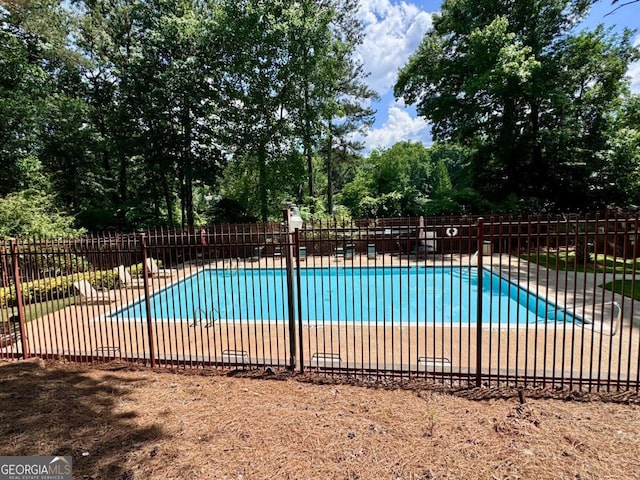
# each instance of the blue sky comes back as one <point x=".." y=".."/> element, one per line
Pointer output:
<point x="393" y="31"/>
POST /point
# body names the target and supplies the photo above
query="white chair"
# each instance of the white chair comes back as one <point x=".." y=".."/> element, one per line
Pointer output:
<point x="127" y="280"/>
<point x="156" y="271"/>
<point x="91" y="295"/>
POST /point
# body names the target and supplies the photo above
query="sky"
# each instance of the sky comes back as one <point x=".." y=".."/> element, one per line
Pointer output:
<point x="393" y="31"/>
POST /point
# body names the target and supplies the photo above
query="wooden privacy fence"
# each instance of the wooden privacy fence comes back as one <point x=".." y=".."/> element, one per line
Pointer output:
<point x="544" y="301"/>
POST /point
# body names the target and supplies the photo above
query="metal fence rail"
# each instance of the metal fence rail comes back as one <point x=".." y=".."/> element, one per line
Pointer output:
<point x="496" y="301"/>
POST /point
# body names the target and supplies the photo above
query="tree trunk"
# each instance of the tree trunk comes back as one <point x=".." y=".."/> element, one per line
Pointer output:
<point x="307" y="139"/>
<point x="168" y="198"/>
<point x="187" y="191"/>
<point x="540" y="165"/>
<point x="330" y="171"/>
<point x="507" y="147"/>
<point x="122" y="190"/>
<point x="262" y="182"/>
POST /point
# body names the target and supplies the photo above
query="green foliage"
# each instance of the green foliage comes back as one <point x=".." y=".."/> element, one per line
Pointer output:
<point x="51" y="261"/>
<point x="617" y="181"/>
<point x="137" y="270"/>
<point x="530" y="96"/>
<point x="227" y="210"/>
<point x="391" y="182"/>
<point x="441" y="181"/>
<point x="385" y="205"/>
<point x="31" y="213"/>
<point x="570" y="261"/>
<point x="410" y="179"/>
<point x="58" y="287"/>
<point x="244" y="191"/>
<point x="628" y="288"/>
<point x="313" y="208"/>
<point x="126" y="114"/>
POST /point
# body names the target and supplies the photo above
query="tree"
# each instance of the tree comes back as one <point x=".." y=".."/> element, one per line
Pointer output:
<point x="347" y="112"/>
<point x="153" y="86"/>
<point x="42" y="133"/>
<point x="393" y="181"/>
<point x="313" y="58"/>
<point x="511" y="81"/>
<point x="32" y="55"/>
<point x="260" y="79"/>
<point x="617" y="181"/>
<point x="22" y="85"/>
<point x="295" y="91"/>
<point x="108" y="38"/>
<point x="32" y="213"/>
<point x="622" y="3"/>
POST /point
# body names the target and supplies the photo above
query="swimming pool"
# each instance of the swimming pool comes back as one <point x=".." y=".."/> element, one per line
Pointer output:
<point x="371" y="295"/>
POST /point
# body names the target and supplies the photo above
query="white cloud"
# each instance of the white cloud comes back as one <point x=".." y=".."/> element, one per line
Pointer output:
<point x="634" y="70"/>
<point x="392" y="32"/>
<point x="398" y="127"/>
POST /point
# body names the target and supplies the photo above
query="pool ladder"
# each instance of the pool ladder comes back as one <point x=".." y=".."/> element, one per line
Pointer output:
<point x="616" y="320"/>
<point x="201" y="315"/>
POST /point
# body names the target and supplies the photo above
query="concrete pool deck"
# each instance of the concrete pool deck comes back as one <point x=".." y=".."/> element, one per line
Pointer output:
<point x="552" y="349"/>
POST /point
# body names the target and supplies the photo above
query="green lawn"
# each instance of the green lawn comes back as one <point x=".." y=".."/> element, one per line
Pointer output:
<point x="36" y="310"/>
<point x="567" y="262"/>
<point x="628" y="288"/>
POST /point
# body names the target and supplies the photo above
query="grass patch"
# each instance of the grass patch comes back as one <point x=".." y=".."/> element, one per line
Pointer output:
<point x="628" y="288"/>
<point x="37" y="310"/>
<point x="568" y="262"/>
<point x="565" y="261"/>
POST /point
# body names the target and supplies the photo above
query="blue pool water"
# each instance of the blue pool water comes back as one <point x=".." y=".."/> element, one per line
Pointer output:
<point x="383" y="295"/>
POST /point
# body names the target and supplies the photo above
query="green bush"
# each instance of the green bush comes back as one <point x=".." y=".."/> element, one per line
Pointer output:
<point x="52" y="263"/>
<point x="33" y="213"/>
<point x="59" y="287"/>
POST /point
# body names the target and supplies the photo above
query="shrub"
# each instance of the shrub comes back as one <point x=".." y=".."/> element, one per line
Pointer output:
<point x="50" y="262"/>
<point x="59" y="287"/>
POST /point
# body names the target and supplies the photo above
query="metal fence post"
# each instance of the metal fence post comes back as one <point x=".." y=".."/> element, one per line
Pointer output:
<point x="479" y="303"/>
<point x="147" y="302"/>
<point x="296" y="236"/>
<point x="21" y="315"/>
<point x="290" y="293"/>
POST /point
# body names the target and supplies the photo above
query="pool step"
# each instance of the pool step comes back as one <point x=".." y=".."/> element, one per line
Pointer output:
<point x="235" y="356"/>
<point x="437" y="364"/>
<point x="325" y="359"/>
<point x="107" y="351"/>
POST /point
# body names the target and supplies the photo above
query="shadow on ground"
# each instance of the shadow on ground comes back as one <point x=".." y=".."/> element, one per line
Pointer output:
<point x="68" y="411"/>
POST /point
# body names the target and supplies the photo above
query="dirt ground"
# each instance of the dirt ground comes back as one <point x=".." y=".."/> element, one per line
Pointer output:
<point x="123" y="422"/>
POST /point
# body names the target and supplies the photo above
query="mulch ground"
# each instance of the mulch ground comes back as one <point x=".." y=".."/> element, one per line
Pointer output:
<point x="123" y="422"/>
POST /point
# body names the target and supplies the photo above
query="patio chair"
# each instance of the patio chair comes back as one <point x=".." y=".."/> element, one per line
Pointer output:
<point x="127" y="280"/>
<point x="156" y="271"/>
<point x="91" y="295"/>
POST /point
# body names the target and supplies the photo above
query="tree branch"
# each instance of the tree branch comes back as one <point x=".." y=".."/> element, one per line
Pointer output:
<point x="620" y="6"/>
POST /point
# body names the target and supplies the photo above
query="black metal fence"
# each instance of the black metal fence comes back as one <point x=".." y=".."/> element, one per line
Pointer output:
<point x="498" y="301"/>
